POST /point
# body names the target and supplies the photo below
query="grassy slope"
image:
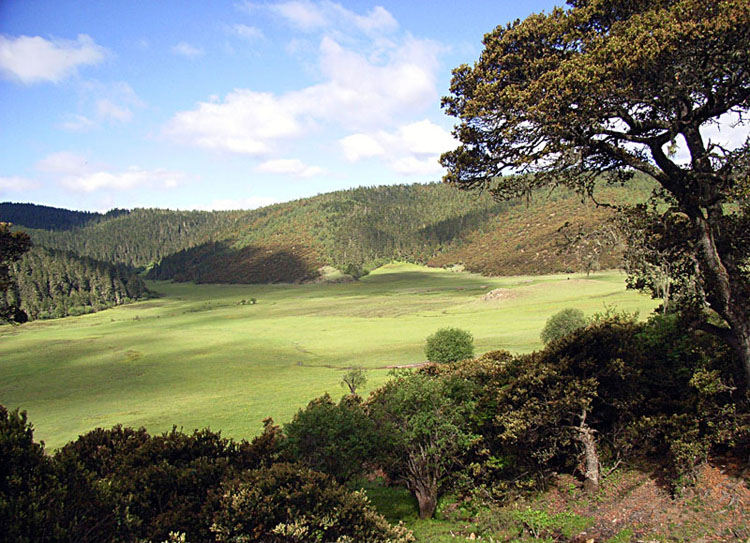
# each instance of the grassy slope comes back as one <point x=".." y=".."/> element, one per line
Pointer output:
<point x="419" y="223"/>
<point x="196" y="358"/>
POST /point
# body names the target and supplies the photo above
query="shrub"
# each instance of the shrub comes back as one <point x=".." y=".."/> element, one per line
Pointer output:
<point x="288" y="503"/>
<point x="562" y="323"/>
<point x="156" y="484"/>
<point x="424" y="432"/>
<point x="449" y="345"/>
<point x="28" y="491"/>
<point x="334" y="439"/>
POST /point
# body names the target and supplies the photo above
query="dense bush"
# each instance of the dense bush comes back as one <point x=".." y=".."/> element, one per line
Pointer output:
<point x="288" y="503"/>
<point x="150" y="486"/>
<point x="449" y="345"/>
<point x="562" y="323"/>
<point x="334" y="439"/>
<point x="29" y="494"/>
<point x="423" y="426"/>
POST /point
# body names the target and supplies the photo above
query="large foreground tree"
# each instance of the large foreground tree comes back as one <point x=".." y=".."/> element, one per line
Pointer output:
<point x="611" y="87"/>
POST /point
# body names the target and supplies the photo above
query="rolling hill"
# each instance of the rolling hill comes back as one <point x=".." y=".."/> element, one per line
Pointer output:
<point x="353" y="230"/>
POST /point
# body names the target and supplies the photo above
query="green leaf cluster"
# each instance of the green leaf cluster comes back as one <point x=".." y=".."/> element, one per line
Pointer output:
<point x="449" y="345"/>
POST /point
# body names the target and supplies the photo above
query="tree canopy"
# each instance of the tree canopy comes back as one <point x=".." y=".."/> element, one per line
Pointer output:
<point x="12" y="246"/>
<point x="606" y="88"/>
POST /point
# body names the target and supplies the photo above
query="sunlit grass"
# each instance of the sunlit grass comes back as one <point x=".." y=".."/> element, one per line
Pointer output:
<point x="195" y="357"/>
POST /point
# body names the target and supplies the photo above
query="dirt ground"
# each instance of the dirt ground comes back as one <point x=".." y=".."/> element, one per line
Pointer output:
<point x="714" y="509"/>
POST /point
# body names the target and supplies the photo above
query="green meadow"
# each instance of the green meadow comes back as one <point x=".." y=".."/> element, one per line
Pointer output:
<point x="197" y="357"/>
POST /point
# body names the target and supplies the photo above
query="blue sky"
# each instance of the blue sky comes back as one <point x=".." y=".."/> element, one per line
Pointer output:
<point x="227" y="104"/>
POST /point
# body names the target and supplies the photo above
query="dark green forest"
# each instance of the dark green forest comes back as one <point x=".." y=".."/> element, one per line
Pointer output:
<point x="51" y="284"/>
<point x="51" y="218"/>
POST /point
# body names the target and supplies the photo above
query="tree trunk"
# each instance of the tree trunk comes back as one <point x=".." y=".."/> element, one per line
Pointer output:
<point x="427" y="500"/>
<point x="724" y="292"/>
<point x="591" y="456"/>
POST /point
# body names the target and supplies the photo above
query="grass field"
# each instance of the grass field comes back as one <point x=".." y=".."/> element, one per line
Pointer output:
<point x="196" y="357"/>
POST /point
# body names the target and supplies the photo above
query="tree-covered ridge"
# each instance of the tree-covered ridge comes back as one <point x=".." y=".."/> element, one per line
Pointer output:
<point x="353" y="230"/>
<point x="139" y="238"/>
<point x="51" y="218"/>
<point x="54" y="284"/>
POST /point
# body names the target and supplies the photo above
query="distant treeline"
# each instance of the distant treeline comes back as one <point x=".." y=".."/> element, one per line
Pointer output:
<point x="353" y="230"/>
<point x="51" y="218"/>
<point x="51" y="284"/>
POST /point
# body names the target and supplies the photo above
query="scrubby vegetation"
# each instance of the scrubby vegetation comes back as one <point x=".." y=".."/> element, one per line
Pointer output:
<point x="654" y="395"/>
<point x="562" y="323"/>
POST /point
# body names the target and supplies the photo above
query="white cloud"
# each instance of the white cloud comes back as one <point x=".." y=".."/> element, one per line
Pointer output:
<point x="186" y="50"/>
<point x="304" y="15"/>
<point x="32" y="59"/>
<point x="106" y="102"/>
<point x="18" y="184"/>
<point x="414" y="166"/>
<point x="357" y="94"/>
<point x="412" y="149"/>
<point x="246" y="32"/>
<point x="244" y="122"/>
<point x="129" y="179"/>
<point x="252" y="202"/>
<point x="289" y="166"/>
<point x="311" y="16"/>
<point x="425" y="137"/>
<point x="107" y="110"/>
<point x="63" y="163"/>
<point x="75" y="172"/>
<point x="359" y="146"/>
<point x="76" y="123"/>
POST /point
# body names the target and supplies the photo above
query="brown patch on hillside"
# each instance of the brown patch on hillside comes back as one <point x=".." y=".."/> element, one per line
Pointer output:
<point x="499" y="294"/>
<point x="526" y="241"/>
<point x="715" y="509"/>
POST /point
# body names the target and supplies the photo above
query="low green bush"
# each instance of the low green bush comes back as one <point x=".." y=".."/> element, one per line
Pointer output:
<point x="562" y="323"/>
<point x="288" y="503"/>
<point x="449" y="345"/>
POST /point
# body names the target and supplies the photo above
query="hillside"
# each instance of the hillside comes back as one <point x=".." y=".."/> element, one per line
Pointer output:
<point x="51" y="218"/>
<point x="54" y="284"/>
<point x="353" y="230"/>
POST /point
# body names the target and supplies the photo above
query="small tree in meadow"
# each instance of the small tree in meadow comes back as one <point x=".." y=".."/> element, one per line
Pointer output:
<point x="354" y="379"/>
<point x="562" y="323"/>
<point x="449" y="345"/>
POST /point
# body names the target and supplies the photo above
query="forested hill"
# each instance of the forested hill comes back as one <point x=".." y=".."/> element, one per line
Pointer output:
<point x="51" y="218"/>
<point x="352" y="230"/>
<point x="53" y="284"/>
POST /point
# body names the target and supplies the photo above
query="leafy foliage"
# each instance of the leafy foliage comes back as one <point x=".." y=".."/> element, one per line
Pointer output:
<point x="28" y="493"/>
<point x="336" y="439"/>
<point x="354" y="230"/>
<point x="51" y="218"/>
<point x="562" y="323"/>
<point x="422" y="422"/>
<point x="154" y="485"/>
<point x="287" y="503"/>
<point x="449" y="345"/>
<point x="603" y="88"/>
<point x="12" y="246"/>
<point x="354" y="379"/>
<point x="52" y="284"/>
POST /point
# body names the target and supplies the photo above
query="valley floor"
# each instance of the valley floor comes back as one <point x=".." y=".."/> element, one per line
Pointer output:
<point x="206" y="355"/>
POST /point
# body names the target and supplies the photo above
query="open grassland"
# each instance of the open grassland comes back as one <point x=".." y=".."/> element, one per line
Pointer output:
<point x="197" y="357"/>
